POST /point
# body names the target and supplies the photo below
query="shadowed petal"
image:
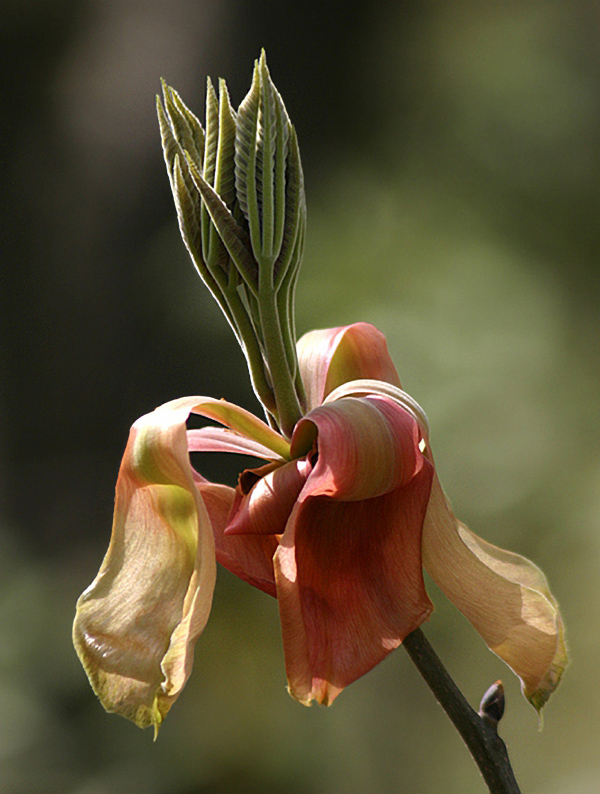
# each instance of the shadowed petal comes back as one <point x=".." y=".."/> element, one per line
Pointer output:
<point x="264" y="506"/>
<point x="332" y="356"/>
<point x="349" y="585"/>
<point x="504" y="595"/>
<point x="250" y="557"/>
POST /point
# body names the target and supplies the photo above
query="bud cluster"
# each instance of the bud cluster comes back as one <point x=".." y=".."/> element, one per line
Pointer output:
<point x="239" y="193"/>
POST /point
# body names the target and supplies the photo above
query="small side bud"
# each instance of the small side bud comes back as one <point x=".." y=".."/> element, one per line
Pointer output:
<point x="491" y="708"/>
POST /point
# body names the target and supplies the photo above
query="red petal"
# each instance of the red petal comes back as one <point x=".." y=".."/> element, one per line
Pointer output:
<point x="266" y="507"/>
<point x="350" y="585"/>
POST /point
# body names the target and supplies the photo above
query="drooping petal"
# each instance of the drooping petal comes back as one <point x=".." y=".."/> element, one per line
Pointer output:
<point x="349" y="585"/>
<point x="504" y="596"/>
<point x="137" y="623"/>
<point x="348" y="567"/>
<point x="332" y="356"/>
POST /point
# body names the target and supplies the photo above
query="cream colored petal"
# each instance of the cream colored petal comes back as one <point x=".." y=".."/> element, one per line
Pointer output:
<point x="136" y="624"/>
<point x="505" y="596"/>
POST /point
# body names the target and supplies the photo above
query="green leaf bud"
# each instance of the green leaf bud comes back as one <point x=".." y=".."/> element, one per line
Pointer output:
<point x="239" y="194"/>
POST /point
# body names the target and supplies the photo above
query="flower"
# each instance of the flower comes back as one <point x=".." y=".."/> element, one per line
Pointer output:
<point x="337" y="525"/>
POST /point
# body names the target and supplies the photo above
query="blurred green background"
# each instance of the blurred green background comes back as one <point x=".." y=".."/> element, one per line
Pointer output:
<point x="451" y="153"/>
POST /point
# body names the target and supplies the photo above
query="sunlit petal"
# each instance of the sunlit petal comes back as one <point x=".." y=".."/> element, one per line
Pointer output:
<point x="238" y="419"/>
<point x="221" y="439"/>
<point x="332" y="356"/>
<point x="365" y="387"/>
<point x="504" y="595"/>
<point x="137" y="623"/>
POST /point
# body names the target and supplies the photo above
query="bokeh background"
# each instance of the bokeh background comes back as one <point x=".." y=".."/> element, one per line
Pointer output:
<point x="451" y="153"/>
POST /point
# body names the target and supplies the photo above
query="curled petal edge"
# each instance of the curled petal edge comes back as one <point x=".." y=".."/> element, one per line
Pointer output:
<point x="367" y="446"/>
<point x="367" y="386"/>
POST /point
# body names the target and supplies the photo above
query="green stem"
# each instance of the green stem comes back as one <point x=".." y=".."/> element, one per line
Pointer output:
<point x="251" y="348"/>
<point x="285" y="307"/>
<point x="289" y="410"/>
<point x="486" y="747"/>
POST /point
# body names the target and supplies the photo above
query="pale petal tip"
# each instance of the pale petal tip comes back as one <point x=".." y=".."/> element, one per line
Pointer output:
<point x="304" y="700"/>
<point x="118" y="694"/>
<point x="148" y="716"/>
<point x="539" y="696"/>
<point x="156" y="718"/>
<point x="323" y="693"/>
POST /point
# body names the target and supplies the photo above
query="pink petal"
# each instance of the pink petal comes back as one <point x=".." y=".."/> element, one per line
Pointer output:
<point x="348" y="568"/>
<point x="221" y="439"/>
<point x="333" y="356"/>
<point x="349" y="585"/>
